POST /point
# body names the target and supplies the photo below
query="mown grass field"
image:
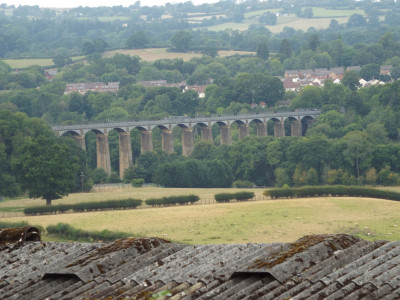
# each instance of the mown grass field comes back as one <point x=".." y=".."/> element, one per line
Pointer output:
<point x="284" y="21"/>
<point x="26" y="62"/>
<point x="263" y="221"/>
<point x="152" y="54"/>
<point x="321" y="19"/>
<point x="206" y="196"/>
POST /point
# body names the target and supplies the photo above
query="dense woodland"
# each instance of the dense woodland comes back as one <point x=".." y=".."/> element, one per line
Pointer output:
<point x="354" y="141"/>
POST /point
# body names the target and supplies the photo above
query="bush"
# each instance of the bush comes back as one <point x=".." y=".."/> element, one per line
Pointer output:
<point x="331" y="190"/>
<point x="239" y="196"/>
<point x="173" y="200"/>
<point x="85" y="206"/>
<point x="223" y="197"/>
<point x="244" y="196"/>
<point x="137" y="182"/>
<point x="67" y="231"/>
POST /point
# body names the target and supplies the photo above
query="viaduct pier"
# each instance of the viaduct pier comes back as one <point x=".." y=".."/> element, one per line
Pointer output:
<point x="299" y="121"/>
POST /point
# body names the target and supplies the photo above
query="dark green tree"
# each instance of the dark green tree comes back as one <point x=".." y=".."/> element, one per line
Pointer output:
<point x="8" y="185"/>
<point x="61" y="60"/>
<point x="351" y="80"/>
<point x="313" y="41"/>
<point x="285" y="49"/>
<point x="263" y="51"/>
<point x="181" y="40"/>
<point x="370" y="71"/>
<point x="356" y="20"/>
<point x="138" y="40"/>
<point x="46" y="168"/>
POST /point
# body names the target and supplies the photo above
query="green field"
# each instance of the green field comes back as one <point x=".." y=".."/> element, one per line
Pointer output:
<point x="282" y="22"/>
<point x="319" y="12"/>
<point x="263" y="221"/>
<point x="106" y="19"/>
<point x="26" y="62"/>
<point x="152" y="54"/>
<point x="321" y="19"/>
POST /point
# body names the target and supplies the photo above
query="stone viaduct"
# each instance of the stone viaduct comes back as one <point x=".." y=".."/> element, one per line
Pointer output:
<point x="297" y="120"/>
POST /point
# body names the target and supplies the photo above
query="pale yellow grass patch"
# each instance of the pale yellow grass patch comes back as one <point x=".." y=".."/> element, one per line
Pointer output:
<point x="283" y="21"/>
<point x="241" y="222"/>
<point x="153" y="54"/>
<point x="206" y="195"/>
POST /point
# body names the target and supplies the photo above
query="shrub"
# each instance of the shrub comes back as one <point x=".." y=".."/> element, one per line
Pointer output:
<point x="173" y="200"/>
<point x="223" y="197"/>
<point x="85" y="206"/>
<point x="244" y="196"/>
<point x="67" y="231"/>
<point x="154" y="202"/>
<point x="138" y="182"/>
<point x="336" y="190"/>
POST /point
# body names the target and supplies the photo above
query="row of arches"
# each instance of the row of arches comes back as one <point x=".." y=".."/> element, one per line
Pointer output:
<point x="216" y="132"/>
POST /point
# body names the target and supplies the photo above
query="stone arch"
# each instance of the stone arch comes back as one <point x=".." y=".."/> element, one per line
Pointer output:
<point x="261" y="126"/>
<point x="102" y="149"/>
<point x="167" y="140"/>
<point x="187" y="138"/>
<point x="279" y="126"/>
<point x="205" y="131"/>
<point x="243" y="127"/>
<point x="224" y="132"/>
<point x="306" y="122"/>
<point x="294" y="124"/>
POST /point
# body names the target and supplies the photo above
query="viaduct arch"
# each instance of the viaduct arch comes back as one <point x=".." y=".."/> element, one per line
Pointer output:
<point x="299" y="121"/>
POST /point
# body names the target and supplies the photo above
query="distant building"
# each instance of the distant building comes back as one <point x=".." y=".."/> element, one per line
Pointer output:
<point x="83" y="88"/>
<point x="386" y="70"/>
<point x="49" y="74"/>
<point x="200" y="89"/>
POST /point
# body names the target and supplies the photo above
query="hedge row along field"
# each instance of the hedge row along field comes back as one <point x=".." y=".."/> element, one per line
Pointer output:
<point x="173" y="200"/>
<point x="331" y="190"/>
<point x="71" y="233"/>
<point x="84" y="207"/>
<point x="239" y="196"/>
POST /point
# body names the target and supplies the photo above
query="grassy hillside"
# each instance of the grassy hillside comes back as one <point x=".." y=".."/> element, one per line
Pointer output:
<point x="26" y="62"/>
<point x="152" y="54"/>
<point x="241" y="222"/>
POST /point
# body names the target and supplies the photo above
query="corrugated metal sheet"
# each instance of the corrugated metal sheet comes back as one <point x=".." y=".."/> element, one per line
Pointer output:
<point x="314" y="267"/>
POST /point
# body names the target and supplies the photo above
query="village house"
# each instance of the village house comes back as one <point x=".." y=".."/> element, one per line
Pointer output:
<point x="84" y="87"/>
<point x="386" y="70"/>
<point x="49" y="74"/>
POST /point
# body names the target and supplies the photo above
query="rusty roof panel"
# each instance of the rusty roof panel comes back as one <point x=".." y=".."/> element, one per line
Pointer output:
<point x="17" y="236"/>
<point x="315" y="267"/>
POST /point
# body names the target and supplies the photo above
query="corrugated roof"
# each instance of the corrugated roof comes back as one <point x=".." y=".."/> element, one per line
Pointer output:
<point x="314" y="267"/>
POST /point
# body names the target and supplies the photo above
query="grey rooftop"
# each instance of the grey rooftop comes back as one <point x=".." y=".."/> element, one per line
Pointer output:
<point x="314" y="267"/>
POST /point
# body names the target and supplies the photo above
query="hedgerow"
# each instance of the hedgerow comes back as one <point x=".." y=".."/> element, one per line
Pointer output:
<point x="84" y="207"/>
<point x="71" y="233"/>
<point x="173" y="200"/>
<point x="239" y="196"/>
<point x="4" y="225"/>
<point x="331" y="190"/>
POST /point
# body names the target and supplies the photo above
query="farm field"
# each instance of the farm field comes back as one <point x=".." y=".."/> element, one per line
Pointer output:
<point x="319" y="12"/>
<point x="264" y="221"/>
<point x="152" y="54"/>
<point x="206" y="196"/>
<point x="322" y="18"/>
<point x="284" y="21"/>
<point x="26" y="62"/>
